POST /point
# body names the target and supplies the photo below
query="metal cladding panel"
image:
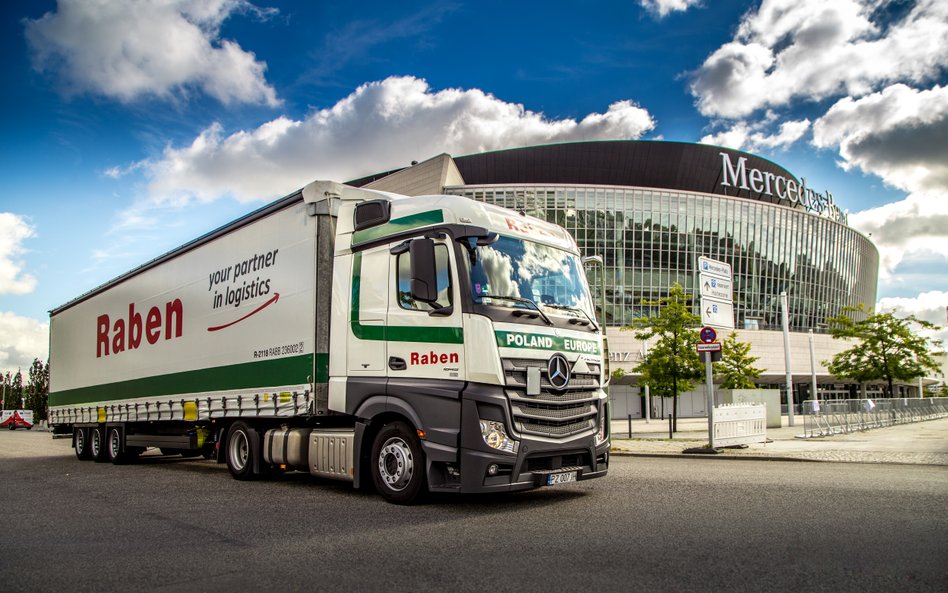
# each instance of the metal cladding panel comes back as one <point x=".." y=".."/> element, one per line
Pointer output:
<point x="669" y="165"/>
<point x="331" y="454"/>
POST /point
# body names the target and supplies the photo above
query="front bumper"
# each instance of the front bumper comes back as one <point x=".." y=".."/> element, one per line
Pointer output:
<point x="531" y="466"/>
<point x="534" y="461"/>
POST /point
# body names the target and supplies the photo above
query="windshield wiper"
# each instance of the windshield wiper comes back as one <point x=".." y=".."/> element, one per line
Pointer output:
<point x="523" y="300"/>
<point x="574" y="309"/>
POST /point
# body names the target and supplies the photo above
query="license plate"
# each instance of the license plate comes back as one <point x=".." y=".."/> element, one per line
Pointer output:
<point x="561" y="478"/>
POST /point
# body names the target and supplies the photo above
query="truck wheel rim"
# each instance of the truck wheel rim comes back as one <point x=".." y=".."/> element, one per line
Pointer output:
<point x="114" y="443"/>
<point x="239" y="450"/>
<point x="96" y="442"/>
<point x="396" y="464"/>
<point x="80" y="441"/>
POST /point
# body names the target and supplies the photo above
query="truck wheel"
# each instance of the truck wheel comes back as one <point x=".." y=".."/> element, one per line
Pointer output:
<point x="398" y="464"/>
<point x="80" y="442"/>
<point x="97" y="445"/>
<point x="244" y="452"/>
<point x="116" y="447"/>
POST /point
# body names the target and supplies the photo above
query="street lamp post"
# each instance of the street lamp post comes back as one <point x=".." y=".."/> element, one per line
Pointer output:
<point x="786" y="348"/>
<point x="813" y="375"/>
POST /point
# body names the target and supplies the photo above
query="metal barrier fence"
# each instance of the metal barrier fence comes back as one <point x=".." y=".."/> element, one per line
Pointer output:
<point x="826" y="418"/>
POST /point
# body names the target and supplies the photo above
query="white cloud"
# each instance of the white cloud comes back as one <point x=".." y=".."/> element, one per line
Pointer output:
<point x="662" y="8"/>
<point x="21" y="340"/>
<point x="381" y="125"/>
<point x="149" y="48"/>
<point x="914" y="227"/>
<point x="898" y="134"/>
<point x="813" y="49"/>
<point x="752" y="136"/>
<point x="928" y="306"/>
<point x="13" y="231"/>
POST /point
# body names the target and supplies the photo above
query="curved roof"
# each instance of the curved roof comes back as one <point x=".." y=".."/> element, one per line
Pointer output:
<point x="658" y="164"/>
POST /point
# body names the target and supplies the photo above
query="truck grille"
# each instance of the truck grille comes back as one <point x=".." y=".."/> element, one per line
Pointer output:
<point x="515" y="370"/>
<point x="551" y="413"/>
<point x="551" y="429"/>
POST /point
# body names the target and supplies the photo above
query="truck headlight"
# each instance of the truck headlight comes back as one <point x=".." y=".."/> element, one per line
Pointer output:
<point x="495" y="435"/>
<point x="603" y="435"/>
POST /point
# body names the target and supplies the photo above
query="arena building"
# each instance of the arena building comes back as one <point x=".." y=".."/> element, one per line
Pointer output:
<point x="650" y="209"/>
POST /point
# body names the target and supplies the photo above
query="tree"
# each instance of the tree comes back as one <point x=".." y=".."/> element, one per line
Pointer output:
<point x="16" y="390"/>
<point x="736" y="370"/>
<point x="38" y="390"/>
<point x="672" y="365"/>
<point x="6" y="388"/>
<point x="886" y="348"/>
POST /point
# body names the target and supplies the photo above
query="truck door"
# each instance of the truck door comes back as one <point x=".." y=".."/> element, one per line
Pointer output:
<point x="368" y="309"/>
<point x="425" y="340"/>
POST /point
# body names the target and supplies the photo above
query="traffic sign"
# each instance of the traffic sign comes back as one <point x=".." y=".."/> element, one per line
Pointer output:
<point x="715" y="287"/>
<point x="717" y="313"/>
<point x="714" y="267"/>
<point x="708" y="335"/>
<point x="706" y="347"/>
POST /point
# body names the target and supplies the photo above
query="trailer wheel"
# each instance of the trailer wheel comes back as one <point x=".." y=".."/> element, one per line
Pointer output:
<point x="80" y="442"/>
<point x="116" y="447"/>
<point x="244" y="452"/>
<point x="97" y="445"/>
<point x="398" y="464"/>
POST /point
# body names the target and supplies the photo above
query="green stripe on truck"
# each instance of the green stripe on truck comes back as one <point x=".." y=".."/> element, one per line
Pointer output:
<point x="292" y="370"/>
<point x="398" y="225"/>
<point x="395" y="333"/>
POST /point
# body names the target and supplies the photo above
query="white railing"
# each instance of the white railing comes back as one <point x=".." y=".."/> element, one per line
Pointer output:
<point x="826" y="418"/>
<point x="739" y="424"/>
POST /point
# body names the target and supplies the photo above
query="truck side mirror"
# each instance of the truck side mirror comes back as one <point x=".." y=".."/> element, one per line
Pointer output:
<point x="424" y="273"/>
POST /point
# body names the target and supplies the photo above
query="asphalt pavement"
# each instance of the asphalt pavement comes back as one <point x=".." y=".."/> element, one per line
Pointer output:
<point x="920" y="443"/>
<point x="682" y="525"/>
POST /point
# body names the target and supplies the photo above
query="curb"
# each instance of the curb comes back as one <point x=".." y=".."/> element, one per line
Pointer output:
<point x="767" y="458"/>
<point x="716" y="457"/>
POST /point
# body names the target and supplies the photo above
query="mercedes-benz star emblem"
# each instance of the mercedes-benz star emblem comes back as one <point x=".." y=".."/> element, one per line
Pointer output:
<point x="558" y="371"/>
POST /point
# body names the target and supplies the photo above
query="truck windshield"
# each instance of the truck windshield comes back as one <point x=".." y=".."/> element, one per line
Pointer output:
<point x="513" y="270"/>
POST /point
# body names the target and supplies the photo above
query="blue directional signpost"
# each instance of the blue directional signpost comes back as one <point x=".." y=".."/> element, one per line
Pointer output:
<point x="717" y="309"/>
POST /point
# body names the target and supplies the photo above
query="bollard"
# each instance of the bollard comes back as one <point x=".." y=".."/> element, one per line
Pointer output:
<point x="670" y="434"/>
<point x="630" y="426"/>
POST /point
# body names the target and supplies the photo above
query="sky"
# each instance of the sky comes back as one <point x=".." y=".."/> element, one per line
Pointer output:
<point x="131" y="127"/>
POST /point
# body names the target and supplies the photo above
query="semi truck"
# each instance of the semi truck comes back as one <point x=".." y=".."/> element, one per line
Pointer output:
<point x="410" y="344"/>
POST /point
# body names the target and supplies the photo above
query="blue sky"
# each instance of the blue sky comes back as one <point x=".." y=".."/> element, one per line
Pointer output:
<point x="132" y="127"/>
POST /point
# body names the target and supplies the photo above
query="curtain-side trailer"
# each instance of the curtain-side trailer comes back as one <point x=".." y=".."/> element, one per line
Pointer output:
<point x="416" y="344"/>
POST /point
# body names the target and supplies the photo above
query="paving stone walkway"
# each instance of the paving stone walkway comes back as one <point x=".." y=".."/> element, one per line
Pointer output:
<point x="924" y="443"/>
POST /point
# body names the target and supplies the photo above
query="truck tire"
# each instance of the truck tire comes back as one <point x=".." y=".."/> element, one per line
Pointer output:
<point x="244" y="452"/>
<point x="398" y="464"/>
<point x="116" y="446"/>
<point x="98" y="448"/>
<point x="80" y="443"/>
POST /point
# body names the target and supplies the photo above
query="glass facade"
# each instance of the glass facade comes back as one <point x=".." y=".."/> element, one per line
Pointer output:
<point x="651" y="238"/>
